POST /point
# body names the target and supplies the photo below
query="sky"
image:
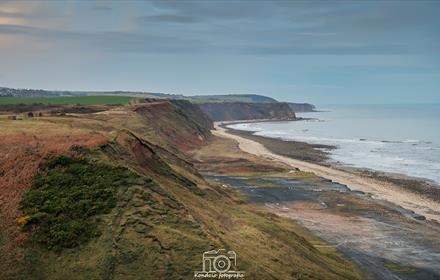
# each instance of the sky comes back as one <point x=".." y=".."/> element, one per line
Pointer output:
<point x="330" y="52"/>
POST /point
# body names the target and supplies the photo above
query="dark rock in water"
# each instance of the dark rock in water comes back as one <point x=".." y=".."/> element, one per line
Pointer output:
<point x="359" y="192"/>
<point x="419" y="217"/>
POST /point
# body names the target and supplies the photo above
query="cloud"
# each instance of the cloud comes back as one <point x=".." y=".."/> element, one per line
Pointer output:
<point x="102" y="8"/>
<point x="172" y="18"/>
<point x="10" y="14"/>
<point x="324" y="49"/>
<point x="104" y="40"/>
<point x="218" y="10"/>
<point x="16" y="29"/>
<point x="245" y="28"/>
<point x="150" y="43"/>
<point x="301" y="27"/>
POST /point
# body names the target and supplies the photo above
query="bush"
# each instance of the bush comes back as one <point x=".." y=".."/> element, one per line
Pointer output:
<point x="66" y="195"/>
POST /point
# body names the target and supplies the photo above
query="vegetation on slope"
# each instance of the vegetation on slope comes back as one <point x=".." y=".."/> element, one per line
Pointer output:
<point x="65" y="197"/>
<point x="144" y="231"/>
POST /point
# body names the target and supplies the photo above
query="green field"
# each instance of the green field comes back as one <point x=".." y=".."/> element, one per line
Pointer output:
<point x="64" y="100"/>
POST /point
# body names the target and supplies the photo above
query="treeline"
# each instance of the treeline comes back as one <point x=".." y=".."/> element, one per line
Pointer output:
<point x="12" y="92"/>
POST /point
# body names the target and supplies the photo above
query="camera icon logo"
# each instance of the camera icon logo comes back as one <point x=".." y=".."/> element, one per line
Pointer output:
<point x="219" y="260"/>
<point x="219" y="264"/>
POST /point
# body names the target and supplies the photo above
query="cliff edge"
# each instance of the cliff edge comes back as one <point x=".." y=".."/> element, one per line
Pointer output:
<point x="231" y="111"/>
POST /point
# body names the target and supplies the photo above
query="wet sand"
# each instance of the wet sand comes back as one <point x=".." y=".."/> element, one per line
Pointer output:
<point x="379" y="189"/>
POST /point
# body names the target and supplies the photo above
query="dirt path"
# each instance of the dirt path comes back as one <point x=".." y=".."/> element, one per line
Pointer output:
<point x="380" y="190"/>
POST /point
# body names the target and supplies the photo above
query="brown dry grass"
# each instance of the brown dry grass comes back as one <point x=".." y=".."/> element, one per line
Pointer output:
<point x="23" y="145"/>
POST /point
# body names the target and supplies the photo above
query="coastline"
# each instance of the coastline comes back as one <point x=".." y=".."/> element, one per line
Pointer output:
<point x="318" y="153"/>
<point x="404" y="191"/>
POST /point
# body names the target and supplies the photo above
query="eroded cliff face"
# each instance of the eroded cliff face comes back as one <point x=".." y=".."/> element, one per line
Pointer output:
<point x="175" y="124"/>
<point x="302" y="107"/>
<point x="247" y="111"/>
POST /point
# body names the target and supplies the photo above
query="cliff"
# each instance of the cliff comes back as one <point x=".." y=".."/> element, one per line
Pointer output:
<point x="302" y="107"/>
<point x="220" y="98"/>
<point x="231" y="111"/>
<point x="175" y="124"/>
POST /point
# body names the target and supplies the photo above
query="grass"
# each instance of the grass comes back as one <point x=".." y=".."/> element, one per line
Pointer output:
<point x="66" y="196"/>
<point x="67" y="100"/>
<point x="147" y="232"/>
<point x="399" y="269"/>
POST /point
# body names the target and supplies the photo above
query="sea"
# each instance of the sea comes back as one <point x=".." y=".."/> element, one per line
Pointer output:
<point x="401" y="139"/>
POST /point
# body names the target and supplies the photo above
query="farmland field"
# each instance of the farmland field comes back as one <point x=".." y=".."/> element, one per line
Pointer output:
<point x="64" y="100"/>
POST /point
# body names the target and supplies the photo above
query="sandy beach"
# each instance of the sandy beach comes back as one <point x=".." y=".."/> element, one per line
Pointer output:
<point x="378" y="189"/>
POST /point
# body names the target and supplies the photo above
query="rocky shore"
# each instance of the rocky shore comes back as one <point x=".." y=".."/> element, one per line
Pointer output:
<point x="407" y="193"/>
<point x="315" y="153"/>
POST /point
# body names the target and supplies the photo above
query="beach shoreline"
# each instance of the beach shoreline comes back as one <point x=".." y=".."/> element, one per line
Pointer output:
<point x="409" y="193"/>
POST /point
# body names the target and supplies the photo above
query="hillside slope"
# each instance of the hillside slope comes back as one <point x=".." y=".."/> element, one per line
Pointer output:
<point x="115" y="195"/>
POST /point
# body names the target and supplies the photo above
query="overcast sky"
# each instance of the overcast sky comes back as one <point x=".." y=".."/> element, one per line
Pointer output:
<point x="319" y="52"/>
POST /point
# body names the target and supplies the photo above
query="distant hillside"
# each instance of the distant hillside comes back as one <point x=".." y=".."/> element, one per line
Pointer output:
<point x="251" y="98"/>
<point x="302" y="107"/>
<point x="12" y="92"/>
<point x="198" y="99"/>
<point x="64" y="100"/>
<point x="229" y="111"/>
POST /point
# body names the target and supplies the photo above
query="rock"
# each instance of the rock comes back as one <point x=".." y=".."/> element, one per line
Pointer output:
<point x="419" y="217"/>
<point x="359" y="192"/>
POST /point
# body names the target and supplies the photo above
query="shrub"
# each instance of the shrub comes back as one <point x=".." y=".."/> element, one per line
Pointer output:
<point x="65" y="196"/>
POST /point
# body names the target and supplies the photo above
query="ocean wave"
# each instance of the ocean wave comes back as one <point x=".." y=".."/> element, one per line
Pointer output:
<point x="409" y="155"/>
<point x="315" y="139"/>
